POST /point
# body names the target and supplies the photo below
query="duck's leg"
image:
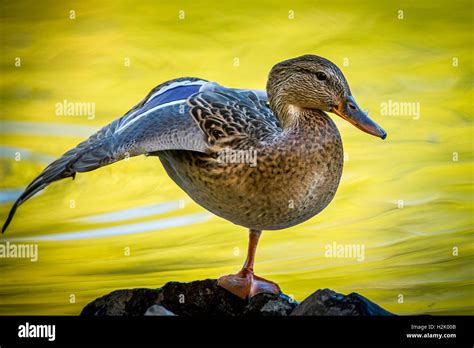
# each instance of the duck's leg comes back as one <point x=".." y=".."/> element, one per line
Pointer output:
<point x="245" y="283"/>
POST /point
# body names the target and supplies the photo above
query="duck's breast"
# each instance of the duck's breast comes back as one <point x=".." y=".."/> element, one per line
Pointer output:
<point x="269" y="187"/>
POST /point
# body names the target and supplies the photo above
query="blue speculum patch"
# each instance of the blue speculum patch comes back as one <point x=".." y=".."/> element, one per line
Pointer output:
<point x="174" y="94"/>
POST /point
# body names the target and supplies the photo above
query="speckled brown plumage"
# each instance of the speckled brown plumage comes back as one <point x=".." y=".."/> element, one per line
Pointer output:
<point x="296" y="175"/>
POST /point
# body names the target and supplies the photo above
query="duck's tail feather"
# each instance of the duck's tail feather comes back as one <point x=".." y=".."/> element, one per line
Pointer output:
<point x="30" y="191"/>
<point x="80" y="159"/>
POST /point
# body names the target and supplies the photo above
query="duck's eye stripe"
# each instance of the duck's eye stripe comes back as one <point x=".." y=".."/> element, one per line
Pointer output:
<point x="307" y="71"/>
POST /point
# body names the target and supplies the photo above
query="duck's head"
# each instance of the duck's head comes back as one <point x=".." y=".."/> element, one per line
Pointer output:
<point x="312" y="82"/>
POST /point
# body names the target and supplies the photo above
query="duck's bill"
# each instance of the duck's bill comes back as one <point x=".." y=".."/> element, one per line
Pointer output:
<point x="350" y="111"/>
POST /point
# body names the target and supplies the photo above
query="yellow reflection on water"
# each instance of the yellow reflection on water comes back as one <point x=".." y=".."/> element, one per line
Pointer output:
<point x="407" y="200"/>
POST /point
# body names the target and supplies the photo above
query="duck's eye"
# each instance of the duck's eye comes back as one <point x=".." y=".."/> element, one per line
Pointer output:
<point x="321" y="76"/>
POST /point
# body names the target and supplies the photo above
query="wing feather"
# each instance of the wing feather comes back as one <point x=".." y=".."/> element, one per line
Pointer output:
<point x="142" y="130"/>
<point x="227" y="115"/>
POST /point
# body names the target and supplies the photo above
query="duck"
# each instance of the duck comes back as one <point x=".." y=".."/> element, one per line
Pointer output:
<point x="263" y="160"/>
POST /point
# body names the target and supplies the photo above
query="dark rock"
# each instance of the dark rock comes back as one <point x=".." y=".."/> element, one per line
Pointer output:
<point x="270" y="305"/>
<point x="122" y="303"/>
<point x="205" y="297"/>
<point x="328" y="302"/>
<point x="200" y="297"/>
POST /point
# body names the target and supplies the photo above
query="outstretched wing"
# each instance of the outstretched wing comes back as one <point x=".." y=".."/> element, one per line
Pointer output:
<point x="227" y="116"/>
<point x="161" y="121"/>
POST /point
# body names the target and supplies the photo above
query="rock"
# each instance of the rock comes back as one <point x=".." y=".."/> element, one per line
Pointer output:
<point x="157" y="310"/>
<point x="122" y="303"/>
<point x="205" y="297"/>
<point x="328" y="302"/>
<point x="270" y="305"/>
<point x="200" y="297"/>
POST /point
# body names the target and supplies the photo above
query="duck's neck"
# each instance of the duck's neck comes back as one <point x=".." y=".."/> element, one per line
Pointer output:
<point x="306" y="127"/>
<point x="279" y="98"/>
<point x="286" y="112"/>
<point x="308" y="123"/>
<point x="295" y="119"/>
<point x="289" y="115"/>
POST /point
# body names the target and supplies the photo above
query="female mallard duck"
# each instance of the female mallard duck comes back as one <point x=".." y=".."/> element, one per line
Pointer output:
<point x="262" y="163"/>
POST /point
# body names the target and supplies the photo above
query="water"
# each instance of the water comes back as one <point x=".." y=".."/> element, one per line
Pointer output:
<point x="407" y="200"/>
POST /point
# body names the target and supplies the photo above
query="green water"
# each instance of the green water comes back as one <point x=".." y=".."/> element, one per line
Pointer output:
<point x="408" y="200"/>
